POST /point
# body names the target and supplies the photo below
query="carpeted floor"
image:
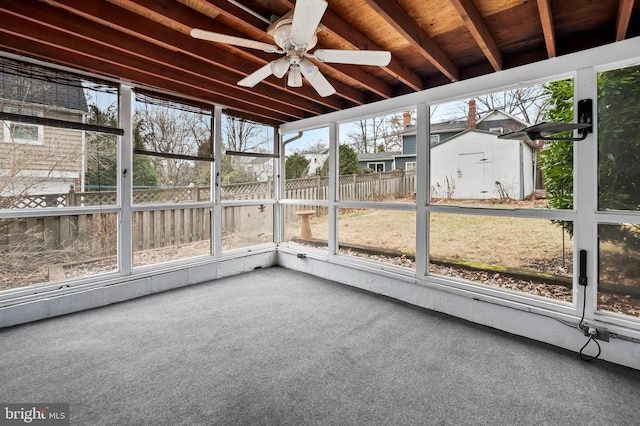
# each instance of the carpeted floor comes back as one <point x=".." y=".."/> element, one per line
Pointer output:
<point x="278" y="347"/>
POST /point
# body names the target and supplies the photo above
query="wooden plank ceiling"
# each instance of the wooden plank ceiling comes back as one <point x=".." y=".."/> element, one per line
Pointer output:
<point x="432" y="42"/>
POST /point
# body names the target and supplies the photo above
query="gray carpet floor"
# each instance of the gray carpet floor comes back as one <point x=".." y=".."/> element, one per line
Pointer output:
<point x="278" y="347"/>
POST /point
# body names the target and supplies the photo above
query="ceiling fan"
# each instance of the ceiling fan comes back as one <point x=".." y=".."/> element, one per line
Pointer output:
<point x="294" y="38"/>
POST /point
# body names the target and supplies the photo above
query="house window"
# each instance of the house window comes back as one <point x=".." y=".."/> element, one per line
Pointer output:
<point x="376" y="167"/>
<point x="22" y="133"/>
<point x="410" y="165"/>
<point x="497" y="129"/>
<point x="434" y="139"/>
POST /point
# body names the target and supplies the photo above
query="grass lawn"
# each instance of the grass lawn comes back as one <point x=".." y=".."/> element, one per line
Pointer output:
<point x="508" y="242"/>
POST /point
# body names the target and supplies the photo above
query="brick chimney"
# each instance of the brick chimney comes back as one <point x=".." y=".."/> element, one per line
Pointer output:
<point x="406" y="119"/>
<point x="472" y="113"/>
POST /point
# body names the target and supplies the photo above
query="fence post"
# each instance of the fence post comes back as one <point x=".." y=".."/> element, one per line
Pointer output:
<point x="71" y="197"/>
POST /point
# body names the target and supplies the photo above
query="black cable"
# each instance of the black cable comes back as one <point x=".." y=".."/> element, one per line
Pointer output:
<point x="584" y="357"/>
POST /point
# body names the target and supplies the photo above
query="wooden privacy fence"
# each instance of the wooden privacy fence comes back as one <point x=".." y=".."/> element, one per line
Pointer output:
<point x="95" y="234"/>
<point x="377" y="186"/>
<point x="87" y="234"/>
<point x="160" y="228"/>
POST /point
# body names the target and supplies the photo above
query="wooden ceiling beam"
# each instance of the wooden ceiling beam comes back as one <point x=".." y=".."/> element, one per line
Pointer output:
<point x="625" y="9"/>
<point x="257" y="30"/>
<point x="157" y="9"/>
<point x="154" y="68"/>
<point x="400" y="20"/>
<point x="20" y="44"/>
<point x="59" y="18"/>
<point x="546" y="20"/>
<point x="191" y="18"/>
<point x="476" y="25"/>
<point x="347" y="35"/>
<point x="243" y="21"/>
<point x="140" y="26"/>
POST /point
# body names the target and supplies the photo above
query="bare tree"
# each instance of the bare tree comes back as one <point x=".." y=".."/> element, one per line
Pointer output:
<point x="383" y="133"/>
<point x="318" y="146"/>
<point x="245" y="135"/>
<point x="527" y="103"/>
<point x="170" y="130"/>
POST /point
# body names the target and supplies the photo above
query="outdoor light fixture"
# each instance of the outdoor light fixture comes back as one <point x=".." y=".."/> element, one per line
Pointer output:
<point x="544" y="131"/>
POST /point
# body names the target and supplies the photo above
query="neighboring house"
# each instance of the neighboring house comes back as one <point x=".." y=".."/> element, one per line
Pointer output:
<point x="35" y="159"/>
<point x="316" y="158"/>
<point x="261" y="168"/>
<point x="467" y="158"/>
<point x="378" y="161"/>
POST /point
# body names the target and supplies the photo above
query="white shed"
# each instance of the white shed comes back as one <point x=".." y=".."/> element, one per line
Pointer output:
<point x="475" y="164"/>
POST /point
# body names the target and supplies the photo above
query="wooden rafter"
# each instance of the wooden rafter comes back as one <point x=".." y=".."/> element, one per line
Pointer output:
<point x="624" y="15"/>
<point x="19" y="43"/>
<point x="476" y="25"/>
<point x="256" y="30"/>
<point x="134" y="26"/>
<point x="546" y="20"/>
<point x="349" y="36"/>
<point x="398" y="18"/>
<point x="147" y="43"/>
<point x="153" y="11"/>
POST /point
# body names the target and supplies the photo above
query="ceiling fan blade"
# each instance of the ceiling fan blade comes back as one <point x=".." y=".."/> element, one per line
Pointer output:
<point x="315" y="77"/>
<point x="355" y="57"/>
<point x="257" y="76"/>
<point x="234" y="41"/>
<point x="306" y="18"/>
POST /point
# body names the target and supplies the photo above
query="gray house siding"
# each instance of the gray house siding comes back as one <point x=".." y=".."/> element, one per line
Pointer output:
<point x="401" y="162"/>
<point x="409" y="144"/>
<point x="388" y="164"/>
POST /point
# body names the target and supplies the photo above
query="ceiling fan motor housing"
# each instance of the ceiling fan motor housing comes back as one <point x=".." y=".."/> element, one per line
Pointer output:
<point x="282" y="37"/>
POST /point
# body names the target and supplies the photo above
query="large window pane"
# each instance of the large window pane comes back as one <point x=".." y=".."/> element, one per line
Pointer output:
<point x="387" y="236"/>
<point x="244" y="226"/>
<point x="52" y="248"/>
<point x="165" y="235"/>
<point x="247" y="177"/>
<point x="247" y="136"/>
<point x="54" y="163"/>
<point x="248" y="159"/>
<point x="306" y="225"/>
<point x="619" y="269"/>
<point x="471" y="166"/>
<point x="173" y="146"/>
<point x="307" y="165"/>
<point x="377" y="158"/>
<point x="528" y="255"/>
<point x="619" y="139"/>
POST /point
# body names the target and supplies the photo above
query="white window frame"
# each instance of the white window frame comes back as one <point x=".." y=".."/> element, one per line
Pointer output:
<point x="410" y="165"/>
<point x="375" y="166"/>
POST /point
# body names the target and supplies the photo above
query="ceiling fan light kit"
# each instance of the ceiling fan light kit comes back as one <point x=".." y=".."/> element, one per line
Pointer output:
<point x="295" y="77"/>
<point x="279" y="67"/>
<point x="294" y="37"/>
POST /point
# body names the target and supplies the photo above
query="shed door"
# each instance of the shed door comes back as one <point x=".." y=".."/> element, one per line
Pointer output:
<point x="473" y="175"/>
